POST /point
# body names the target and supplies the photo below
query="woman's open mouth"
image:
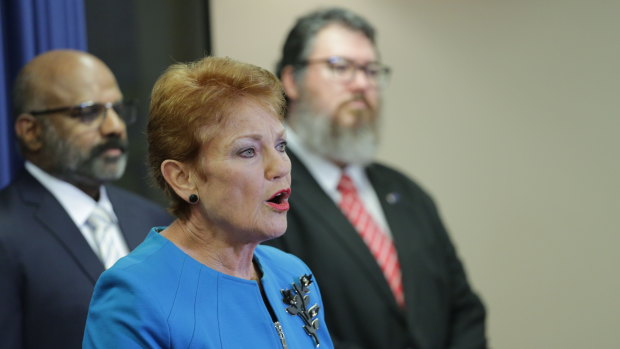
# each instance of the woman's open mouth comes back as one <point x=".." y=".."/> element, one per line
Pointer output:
<point x="279" y="201"/>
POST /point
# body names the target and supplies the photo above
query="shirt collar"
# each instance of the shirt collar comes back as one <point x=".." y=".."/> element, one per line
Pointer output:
<point x="76" y="203"/>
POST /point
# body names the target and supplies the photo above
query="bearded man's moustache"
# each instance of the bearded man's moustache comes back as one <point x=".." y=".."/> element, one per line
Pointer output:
<point x="359" y="97"/>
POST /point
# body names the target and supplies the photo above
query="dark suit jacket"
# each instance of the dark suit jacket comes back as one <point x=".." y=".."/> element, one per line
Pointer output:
<point x="47" y="269"/>
<point x="441" y="309"/>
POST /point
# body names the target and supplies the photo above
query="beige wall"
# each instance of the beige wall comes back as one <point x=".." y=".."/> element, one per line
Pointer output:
<point x="508" y="112"/>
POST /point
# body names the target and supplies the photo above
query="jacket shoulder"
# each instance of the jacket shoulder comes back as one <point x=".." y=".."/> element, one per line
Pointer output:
<point x="117" y="193"/>
<point x="280" y="259"/>
<point x="382" y="176"/>
<point x="127" y="200"/>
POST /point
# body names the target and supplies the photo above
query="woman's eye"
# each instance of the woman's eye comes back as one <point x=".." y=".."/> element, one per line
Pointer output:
<point x="248" y="153"/>
<point x="281" y="147"/>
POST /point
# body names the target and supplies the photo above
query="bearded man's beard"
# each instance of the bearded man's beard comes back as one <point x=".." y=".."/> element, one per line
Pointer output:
<point x="83" y="166"/>
<point x="350" y="136"/>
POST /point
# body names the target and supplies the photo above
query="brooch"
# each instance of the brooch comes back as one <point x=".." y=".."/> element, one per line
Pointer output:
<point x="297" y="300"/>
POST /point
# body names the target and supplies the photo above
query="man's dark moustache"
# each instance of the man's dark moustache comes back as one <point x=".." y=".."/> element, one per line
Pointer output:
<point x="113" y="143"/>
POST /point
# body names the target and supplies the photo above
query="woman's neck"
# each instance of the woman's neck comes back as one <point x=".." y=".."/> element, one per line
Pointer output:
<point x="212" y="250"/>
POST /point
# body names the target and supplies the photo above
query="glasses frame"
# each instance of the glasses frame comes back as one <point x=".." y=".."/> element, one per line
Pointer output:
<point x="381" y="76"/>
<point x="76" y="111"/>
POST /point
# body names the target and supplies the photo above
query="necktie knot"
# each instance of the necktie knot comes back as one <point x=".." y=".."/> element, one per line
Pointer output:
<point x="346" y="185"/>
<point x="99" y="219"/>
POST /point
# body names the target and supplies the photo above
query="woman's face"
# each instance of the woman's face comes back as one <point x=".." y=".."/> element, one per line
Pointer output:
<point x="247" y="176"/>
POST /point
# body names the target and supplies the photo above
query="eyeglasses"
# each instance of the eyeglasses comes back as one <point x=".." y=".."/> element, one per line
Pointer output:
<point x="343" y="70"/>
<point x="93" y="114"/>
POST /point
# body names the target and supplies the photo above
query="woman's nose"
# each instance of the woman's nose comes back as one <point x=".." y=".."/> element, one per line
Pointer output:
<point x="279" y="165"/>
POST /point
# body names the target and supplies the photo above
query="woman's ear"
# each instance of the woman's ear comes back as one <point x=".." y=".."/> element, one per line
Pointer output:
<point x="288" y="82"/>
<point x="179" y="177"/>
<point x="28" y="129"/>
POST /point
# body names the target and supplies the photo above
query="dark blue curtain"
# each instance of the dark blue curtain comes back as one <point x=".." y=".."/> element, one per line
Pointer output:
<point x="27" y="28"/>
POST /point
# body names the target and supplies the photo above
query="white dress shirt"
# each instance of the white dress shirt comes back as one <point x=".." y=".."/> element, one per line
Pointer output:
<point x="328" y="174"/>
<point x="79" y="206"/>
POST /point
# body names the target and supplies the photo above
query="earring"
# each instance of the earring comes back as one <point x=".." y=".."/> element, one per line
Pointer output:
<point x="193" y="199"/>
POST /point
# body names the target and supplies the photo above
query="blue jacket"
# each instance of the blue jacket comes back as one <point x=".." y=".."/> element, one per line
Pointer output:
<point x="159" y="297"/>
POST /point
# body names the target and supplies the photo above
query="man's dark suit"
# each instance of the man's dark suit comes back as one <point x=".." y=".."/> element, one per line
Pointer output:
<point x="47" y="269"/>
<point x="442" y="311"/>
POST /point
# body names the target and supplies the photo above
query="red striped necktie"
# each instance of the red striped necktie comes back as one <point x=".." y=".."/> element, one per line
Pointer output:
<point x="378" y="242"/>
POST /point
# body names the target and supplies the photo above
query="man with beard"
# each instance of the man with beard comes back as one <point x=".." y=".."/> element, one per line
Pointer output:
<point x="390" y="276"/>
<point x="61" y="225"/>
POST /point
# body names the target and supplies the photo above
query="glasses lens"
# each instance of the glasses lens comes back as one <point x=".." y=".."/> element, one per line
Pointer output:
<point x="340" y="68"/>
<point x="374" y="71"/>
<point x="378" y="73"/>
<point x="87" y="113"/>
<point x="126" y="110"/>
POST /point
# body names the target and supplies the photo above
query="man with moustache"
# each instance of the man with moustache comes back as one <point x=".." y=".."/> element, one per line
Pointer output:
<point x="61" y="224"/>
<point x="390" y="276"/>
